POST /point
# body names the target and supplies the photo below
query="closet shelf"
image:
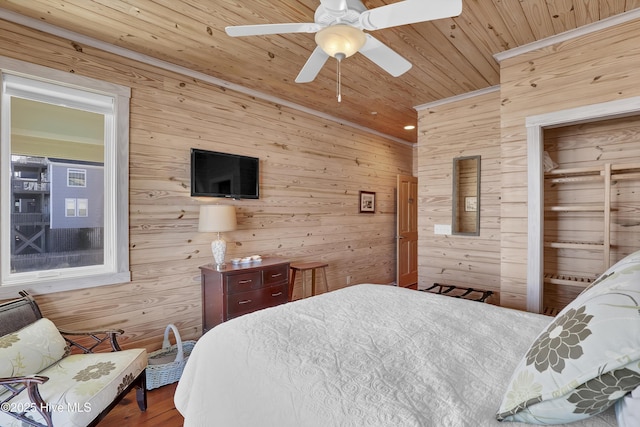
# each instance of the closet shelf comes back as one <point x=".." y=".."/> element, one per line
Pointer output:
<point x="625" y="166"/>
<point x="575" y="245"/>
<point x="576" y="208"/>
<point x="587" y="178"/>
<point x="562" y="279"/>
<point x="625" y="176"/>
<point x="595" y="170"/>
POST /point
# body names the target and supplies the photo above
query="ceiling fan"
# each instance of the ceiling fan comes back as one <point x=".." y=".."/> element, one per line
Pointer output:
<point x="339" y="26"/>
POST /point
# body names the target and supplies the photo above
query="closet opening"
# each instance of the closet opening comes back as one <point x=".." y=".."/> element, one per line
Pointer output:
<point x="581" y="211"/>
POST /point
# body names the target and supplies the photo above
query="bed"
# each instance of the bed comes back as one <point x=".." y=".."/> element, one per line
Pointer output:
<point x="376" y="355"/>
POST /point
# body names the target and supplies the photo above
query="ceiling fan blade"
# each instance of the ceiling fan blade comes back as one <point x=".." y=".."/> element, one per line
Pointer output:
<point x="409" y="12"/>
<point x="385" y="57"/>
<point x="313" y="66"/>
<point x="263" y="29"/>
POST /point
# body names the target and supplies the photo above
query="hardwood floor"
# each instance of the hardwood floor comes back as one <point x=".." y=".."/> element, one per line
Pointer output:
<point x="160" y="410"/>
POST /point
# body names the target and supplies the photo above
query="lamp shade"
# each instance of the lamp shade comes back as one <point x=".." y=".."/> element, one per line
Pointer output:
<point x="217" y="218"/>
<point x="340" y="39"/>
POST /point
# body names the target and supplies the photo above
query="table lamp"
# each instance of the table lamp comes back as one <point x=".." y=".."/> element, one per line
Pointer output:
<point x="217" y="218"/>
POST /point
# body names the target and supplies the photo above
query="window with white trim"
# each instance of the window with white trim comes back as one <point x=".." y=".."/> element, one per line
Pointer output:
<point x="76" y="177"/>
<point x="70" y="207"/>
<point x="82" y="207"/>
<point x="76" y="208"/>
<point x="49" y="118"/>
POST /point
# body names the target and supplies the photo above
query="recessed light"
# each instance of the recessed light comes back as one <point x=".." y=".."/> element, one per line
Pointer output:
<point x="409" y="127"/>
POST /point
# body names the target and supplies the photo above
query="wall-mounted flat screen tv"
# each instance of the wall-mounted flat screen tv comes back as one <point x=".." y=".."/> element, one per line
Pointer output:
<point x="215" y="174"/>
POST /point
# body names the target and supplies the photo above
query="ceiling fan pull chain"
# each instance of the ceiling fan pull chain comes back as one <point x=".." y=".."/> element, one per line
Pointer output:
<point x="339" y="83"/>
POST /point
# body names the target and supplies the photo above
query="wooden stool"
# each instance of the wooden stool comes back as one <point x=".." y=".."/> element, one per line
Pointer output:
<point x="302" y="267"/>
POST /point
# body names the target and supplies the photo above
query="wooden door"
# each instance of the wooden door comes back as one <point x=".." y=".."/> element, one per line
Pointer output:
<point x="407" y="232"/>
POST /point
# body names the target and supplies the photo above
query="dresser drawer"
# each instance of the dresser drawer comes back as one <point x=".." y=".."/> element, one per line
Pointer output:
<point x="275" y="275"/>
<point x="276" y="295"/>
<point x="243" y="282"/>
<point x="246" y="302"/>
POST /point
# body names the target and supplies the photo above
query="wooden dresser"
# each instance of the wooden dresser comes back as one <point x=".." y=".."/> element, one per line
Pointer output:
<point x="241" y="289"/>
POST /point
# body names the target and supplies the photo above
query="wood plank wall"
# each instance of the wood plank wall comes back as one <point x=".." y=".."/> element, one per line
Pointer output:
<point x="311" y="172"/>
<point x="466" y="127"/>
<point x="595" y="68"/>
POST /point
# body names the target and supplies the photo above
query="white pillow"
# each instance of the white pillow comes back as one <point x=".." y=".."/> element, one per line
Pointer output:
<point x="628" y="409"/>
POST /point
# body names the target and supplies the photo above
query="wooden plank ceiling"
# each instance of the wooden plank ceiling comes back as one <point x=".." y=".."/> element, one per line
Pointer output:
<point x="450" y="56"/>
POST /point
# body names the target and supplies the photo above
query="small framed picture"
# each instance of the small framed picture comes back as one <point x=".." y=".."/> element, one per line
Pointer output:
<point x="470" y="204"/>
<point x="367" y="202"/>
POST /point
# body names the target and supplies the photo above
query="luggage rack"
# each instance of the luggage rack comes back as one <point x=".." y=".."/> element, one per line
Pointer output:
<point x="459" y="292"/>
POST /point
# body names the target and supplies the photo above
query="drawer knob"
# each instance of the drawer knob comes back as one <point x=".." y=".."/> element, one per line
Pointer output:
<point x="246" y="301"/>
<point x="276" y="294"/>
<point x="242" y="282"/>
<point x="273" y="276"/>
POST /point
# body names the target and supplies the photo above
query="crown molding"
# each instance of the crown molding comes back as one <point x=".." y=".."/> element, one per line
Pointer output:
<point x="569" y="35"/>
<point x="457" y="98"/>
<point x="45" y="27"/>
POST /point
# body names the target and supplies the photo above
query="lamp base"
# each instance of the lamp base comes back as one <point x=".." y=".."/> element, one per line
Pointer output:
<point x="219" y="250"/>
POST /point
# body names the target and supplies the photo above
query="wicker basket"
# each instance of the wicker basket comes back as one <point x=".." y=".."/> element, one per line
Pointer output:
<point x="166" y="365"/>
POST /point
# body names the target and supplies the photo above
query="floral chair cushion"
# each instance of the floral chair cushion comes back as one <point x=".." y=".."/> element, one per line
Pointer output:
<point x="586" y="359"/>
<point x="31" y="349"/>
<point x="81" y="386"/>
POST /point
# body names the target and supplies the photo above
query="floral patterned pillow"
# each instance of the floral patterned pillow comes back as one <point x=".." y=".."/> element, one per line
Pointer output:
<point x="586" y="359"/>
<point x="31" y="349"/>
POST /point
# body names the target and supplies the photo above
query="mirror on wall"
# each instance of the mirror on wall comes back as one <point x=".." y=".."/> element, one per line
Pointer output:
<point x="466" y="196"/>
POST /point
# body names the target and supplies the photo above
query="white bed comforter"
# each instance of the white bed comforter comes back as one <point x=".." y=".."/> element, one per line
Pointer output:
<point x="366" y="355"/>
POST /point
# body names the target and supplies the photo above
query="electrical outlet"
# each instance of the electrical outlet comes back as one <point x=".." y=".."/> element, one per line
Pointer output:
<point x="442" y="229"/>
<point x="348" y="280"/>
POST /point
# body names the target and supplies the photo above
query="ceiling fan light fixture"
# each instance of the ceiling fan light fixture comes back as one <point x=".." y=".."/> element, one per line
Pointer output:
<point x="340" y="40"/>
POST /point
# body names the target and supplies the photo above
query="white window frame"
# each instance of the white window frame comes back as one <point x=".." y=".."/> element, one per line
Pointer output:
<point x="70" y="208"/>
<point x="35" y="82"/>
<point x="82" y="208"/>
<point x="71" y="171"/>
<point x="76" y="208"/>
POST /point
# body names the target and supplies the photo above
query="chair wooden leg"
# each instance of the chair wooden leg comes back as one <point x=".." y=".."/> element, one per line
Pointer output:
<point x="326" y="284"/>
<point x="313" y="281"/>
<point x="141" y="393"/>
<point x="304" y="290"/>
<point x="292" y="283"/>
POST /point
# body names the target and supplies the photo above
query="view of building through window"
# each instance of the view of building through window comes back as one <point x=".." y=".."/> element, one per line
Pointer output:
<point x="52" y="231"/>
<point x="57" y="187"/>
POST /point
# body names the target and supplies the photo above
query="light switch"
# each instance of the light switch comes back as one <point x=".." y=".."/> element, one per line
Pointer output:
<point x="442" y="229"/>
